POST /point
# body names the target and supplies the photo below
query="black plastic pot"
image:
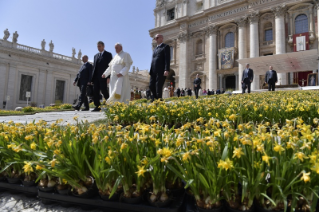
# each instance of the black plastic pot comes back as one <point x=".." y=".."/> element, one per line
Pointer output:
<point x="220" y="209"/>
<point x="177" y="192"/>
<point x="259" y="208"/>
<point x="64" y="191"/>
<point x="114" y="198"/>
<point x="18" y="188"/>
<point x="28" y="183"/>
<point x="229" y="209"/>
<point x="134" y="200"/>
<point x="160" y="204"/>
<point x="89" y="194"/>
<point x="46" y="189"/>
<point x="14" y="180"/>
<point x="2" y="178"/>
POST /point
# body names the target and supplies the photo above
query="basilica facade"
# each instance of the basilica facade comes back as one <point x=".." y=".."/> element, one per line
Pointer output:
<point x="216" y="38"/>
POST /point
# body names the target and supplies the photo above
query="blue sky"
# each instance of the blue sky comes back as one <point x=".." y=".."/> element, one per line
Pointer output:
<point x="80" y="24"/>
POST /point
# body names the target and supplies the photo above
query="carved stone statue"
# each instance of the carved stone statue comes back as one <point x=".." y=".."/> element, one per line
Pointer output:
<point x="160" y="3"/>
<point x="73" y="52"/>
<point x="6" y="34"/>
<point x="133" y="69"/>
<point x="43" y="44"/>
<point x="15" y="37"/>
<point x="137" y="70"/>
<point x="51" y="46"/>
<point x="80" y="55"/>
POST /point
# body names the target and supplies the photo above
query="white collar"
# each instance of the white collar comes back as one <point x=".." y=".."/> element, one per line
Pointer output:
<point x="102" y="52"/>
<point x="159" y="45"/>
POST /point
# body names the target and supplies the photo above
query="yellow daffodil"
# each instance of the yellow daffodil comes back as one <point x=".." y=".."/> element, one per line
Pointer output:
<point x="238" y="152"/>
<point x="27" y="167"/>
<point x="305" y="177"/>
<point x="300" y="155"/>
<point x="266" y="159"/>
<point x="278" y="148"/>
<point x="140" y="171"/>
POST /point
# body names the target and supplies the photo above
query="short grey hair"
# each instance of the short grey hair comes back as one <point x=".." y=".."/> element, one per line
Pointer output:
<point x="119" y="44"/>
<point x="100" y="42"/>
<point x="247" y="64"/>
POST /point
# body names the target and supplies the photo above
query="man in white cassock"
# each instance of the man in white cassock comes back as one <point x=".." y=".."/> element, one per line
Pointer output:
<point x="119" y="87"/>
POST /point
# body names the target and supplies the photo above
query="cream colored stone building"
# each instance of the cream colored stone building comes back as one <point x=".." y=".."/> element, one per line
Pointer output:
<point x="216" y="38"/>
<point x="47" y="75"/>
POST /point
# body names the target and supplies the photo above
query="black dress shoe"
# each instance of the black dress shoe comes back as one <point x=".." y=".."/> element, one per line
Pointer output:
<point x="85" y="109"/>
<point x="76" y="107"/>
<point x="96" y="109"/>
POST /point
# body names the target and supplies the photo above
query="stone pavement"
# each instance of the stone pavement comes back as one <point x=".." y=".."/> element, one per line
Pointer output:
<point x="20" y="203"/>
<point x="51" y="117"/>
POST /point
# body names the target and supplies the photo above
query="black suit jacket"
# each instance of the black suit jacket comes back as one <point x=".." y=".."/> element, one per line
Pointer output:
<point x="178" y="91"/>
<point x="275" y="78"/>
<point x="84" y="74"/>
<point x="197" y="82"/>
<point x="161" y="60"/>
<point x="103" y="64"/>
<point x="250" y="75"/>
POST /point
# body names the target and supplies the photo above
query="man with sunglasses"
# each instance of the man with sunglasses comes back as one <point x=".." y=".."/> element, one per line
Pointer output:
<point x="160" y="67"/>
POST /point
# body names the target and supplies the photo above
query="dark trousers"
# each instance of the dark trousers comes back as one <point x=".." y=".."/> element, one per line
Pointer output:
<point x="246" y="84"/>
<point x="178" y="94"/>
<point x="83" y="99"/>
<point x="196" y="89"/>
<point x="271" y="85"/>
<point x="156" y="85"/>
<point x="100" y="85"/>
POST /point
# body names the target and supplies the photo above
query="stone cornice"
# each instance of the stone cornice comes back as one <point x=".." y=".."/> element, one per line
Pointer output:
<point x="241" y="22"/>
<point x="211" y="30"/>
<point x="183" y="37"/>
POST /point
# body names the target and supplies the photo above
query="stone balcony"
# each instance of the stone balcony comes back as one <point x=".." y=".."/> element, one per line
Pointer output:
<point x="32" y="50"/>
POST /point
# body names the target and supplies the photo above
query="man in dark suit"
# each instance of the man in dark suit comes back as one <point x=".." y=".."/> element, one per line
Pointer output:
<point x="218" y="91"/>
<point x="101" y="63"/>
<point x="160" y="67"/>
<point x="247" y="78"/>
<point x="178" y="92"/>
<point x="197" y="83"/>
<point x="271" y="79"/>
<point x="189" y="92"/>
<point x="82" y="81"/>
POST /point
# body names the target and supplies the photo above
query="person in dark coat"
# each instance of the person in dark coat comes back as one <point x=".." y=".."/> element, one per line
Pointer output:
<point x="218" y="91"/>
<point x="197" y="83"/>
<point x="212" y="92"/>
<point x="208" y="92"/>
<point x="271" y="79"/>
<point x="182" y="92"/>
<point x="160" y="67"/>
<point x="148" y="94"/>
<point x="247" y="78"/>
<point x="101" y="63"/>
<point x="82" y="81"/>
<point x="178" y="92"/>
<point x="189" y="92"/>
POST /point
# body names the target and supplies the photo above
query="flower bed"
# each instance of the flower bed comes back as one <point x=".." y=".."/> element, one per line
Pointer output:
<point x="33" y="110"/>
<point x="228" y="162"/>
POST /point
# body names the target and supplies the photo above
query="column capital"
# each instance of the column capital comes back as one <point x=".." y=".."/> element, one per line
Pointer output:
<point x="211" y="30"/>
<point x="241" y="22"/>
<point x="279" y="10"/>
<point x="253" y="17"/>
<point x="183" y="37"/>
<point x="220" y="75"/>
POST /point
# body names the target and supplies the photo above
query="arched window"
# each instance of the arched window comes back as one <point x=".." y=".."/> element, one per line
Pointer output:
<point x="199" y="47"/>
<point x="268" y="32"/>
<point x="301" y="24"/>
<point x="229" y="40"/>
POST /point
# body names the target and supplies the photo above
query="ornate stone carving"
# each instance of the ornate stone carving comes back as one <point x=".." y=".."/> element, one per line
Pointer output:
<point x="268" y="17"/>
<point x="183" y="37"/>
<point x="183" y="26"/>
<point x="160" y="3"/>
<point x="51" y="45"/>
<point x="133" y="69"/>
<point x="15" y="37"/>
<point x="211" y="30"/>
<point x="43" y="45"/>
<point x="6" y="34"/>
<point x="279" y="10"/>
<point x="241" y="22"/>
<point x="198" y="67"/>
<point x="79" y="55"/>
<point x="73" y="52"/>
<point x="137" y="70"/>
<point x="253" y="17"/>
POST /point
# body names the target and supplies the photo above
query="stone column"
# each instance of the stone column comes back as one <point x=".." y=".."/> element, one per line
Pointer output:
<point x="183" y="68"/>
<point x="254" y="44"/>
<point x="212" y="60"/>
<point x="279" y="12"/>
<point x="242" y="47"/>
<point x="221" y="76"/>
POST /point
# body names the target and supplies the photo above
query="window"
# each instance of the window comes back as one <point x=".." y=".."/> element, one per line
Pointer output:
<point x="268" y="35"/>
<point x="25" y="86"/>
<point x="59" y="91"/>
<point x="172" y="52"/>
<point x="199" y="6"/>
<point x="229" y="40"/>
<point x="171" y="14"/>
<point x="199" y="47"/>
<point x="301" y="24"/>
